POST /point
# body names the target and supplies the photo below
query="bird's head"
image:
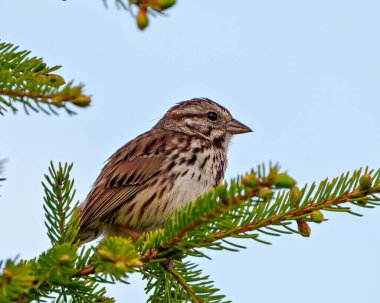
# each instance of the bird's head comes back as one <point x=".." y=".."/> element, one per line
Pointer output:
<point x="202" y="117"/>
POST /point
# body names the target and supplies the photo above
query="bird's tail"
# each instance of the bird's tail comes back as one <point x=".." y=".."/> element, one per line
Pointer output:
<point x="85" y="236"/>
<point x="86" y="232"/>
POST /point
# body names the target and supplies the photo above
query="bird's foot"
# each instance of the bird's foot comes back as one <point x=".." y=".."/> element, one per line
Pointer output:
<point x="133" y="234"/>
<point x="151" y="253"/>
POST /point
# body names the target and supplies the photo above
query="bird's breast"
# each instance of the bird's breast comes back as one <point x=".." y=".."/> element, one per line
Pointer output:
<point x="189" y="173"/>
<point x="195" y="172"/>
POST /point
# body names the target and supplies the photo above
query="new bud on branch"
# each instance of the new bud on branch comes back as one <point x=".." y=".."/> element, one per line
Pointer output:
<point x="365" y="182"/>
<point x="295" y="196"/>
<point x="303" y="228"/>
<point x="283" y="180"/>
<point x="145" y="6"/>
<point x="249" y="180"/>
<point x="142" y="18"/>
<point x="160" y="5"/>
<point x="317" y="217"/>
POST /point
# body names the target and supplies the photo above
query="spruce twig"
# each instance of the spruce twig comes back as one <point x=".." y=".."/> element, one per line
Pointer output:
<point x="261" y="202"/>
<point x="28" y="82"/>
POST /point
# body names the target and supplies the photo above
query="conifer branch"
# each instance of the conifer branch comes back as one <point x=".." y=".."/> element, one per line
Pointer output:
<point x="263" y="202"/>
<point x="15" y="278"/>
<point x="169" y="266"/>
<point x="62" y="221"/>
<point x="243" y="208"/>
<point x="176" y="281"/>
<point x="27" y="81"/>
<point x="275" y="220"/>
<point x="140" y="9"/>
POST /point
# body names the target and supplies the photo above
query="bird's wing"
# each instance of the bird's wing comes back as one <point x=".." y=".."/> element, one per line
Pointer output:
<point x="126" y="173"/>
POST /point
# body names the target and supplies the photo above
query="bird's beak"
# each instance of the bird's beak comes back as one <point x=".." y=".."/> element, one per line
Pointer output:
<point x="235" y="127"/>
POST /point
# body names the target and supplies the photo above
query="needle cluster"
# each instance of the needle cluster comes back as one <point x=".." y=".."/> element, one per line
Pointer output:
<point x="263" y="203"/>
<point x="27" y="82"/>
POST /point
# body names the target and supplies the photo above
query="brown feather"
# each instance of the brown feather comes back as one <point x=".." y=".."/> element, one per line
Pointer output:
<point x="133" y="169"/>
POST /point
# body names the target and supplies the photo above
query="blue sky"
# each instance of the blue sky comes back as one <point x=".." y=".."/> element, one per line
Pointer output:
<point x="303" y="74"/>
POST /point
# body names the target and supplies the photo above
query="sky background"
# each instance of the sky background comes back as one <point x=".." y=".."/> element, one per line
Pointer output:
<point x="305" y="75"/>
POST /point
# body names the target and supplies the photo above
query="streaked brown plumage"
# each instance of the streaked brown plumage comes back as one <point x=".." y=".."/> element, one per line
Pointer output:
<point x="183" y="156"/>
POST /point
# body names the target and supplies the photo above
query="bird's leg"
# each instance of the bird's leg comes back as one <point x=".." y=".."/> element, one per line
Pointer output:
<point x="133" y="234"/>
<point x="150" y="253"/>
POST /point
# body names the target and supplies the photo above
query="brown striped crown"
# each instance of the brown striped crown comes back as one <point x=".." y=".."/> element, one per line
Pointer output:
<point x="200" y="117"/>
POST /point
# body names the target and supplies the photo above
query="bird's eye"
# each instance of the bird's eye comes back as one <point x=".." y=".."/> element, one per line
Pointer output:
<point x="212" y="116"/>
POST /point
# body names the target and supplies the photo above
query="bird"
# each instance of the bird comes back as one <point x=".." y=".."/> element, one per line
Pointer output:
<point x="183" y="156"/>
